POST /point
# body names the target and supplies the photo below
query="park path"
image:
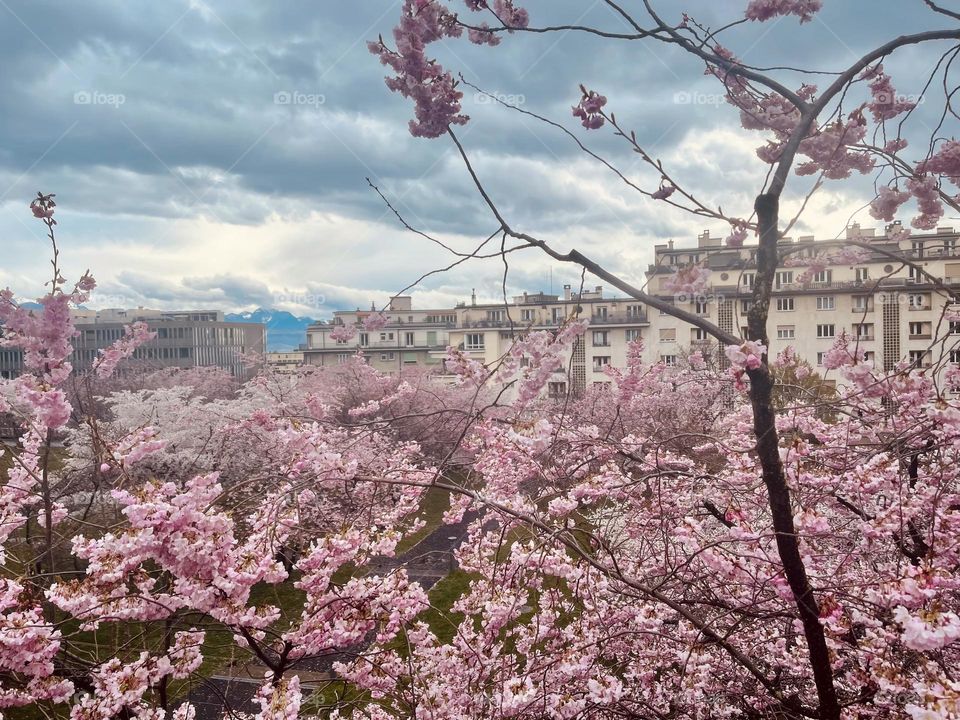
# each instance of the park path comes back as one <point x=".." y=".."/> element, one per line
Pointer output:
<point x="427" y="562"/>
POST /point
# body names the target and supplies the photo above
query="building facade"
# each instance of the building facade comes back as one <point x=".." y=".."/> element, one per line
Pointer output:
<point x="890" y="301"/>
<point x="485" y="332"/>
<point x="184" y="339"/>
<point x="891" y="307"/>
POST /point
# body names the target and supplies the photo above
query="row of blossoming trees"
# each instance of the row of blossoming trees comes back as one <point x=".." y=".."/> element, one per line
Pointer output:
<point x="680" y="546"/>
<point x="622" y="557"/>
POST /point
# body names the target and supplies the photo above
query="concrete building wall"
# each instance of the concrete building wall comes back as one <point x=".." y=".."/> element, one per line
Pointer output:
<point x="184" y="339"/>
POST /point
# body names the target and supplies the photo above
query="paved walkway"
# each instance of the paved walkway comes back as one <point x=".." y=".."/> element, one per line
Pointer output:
<point x="427" y="562"/>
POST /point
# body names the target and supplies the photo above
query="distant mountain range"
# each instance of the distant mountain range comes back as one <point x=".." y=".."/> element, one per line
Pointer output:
<point x="285" y="331"/>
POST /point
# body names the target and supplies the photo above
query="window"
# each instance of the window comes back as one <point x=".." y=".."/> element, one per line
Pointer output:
<point x="955" y="356"/>
<point x="364" y="339"/>
<point x="786" y="332"/>
<point x="785" y="304"/>
<point x="527" y="315"/>
<point x="863" y="331"/>
<point x="663" y="312"/>
<point x="431" y="338"/>
<point x="828" y="302"/>
<point x="862" y="303"/>
<point x="699" y="335"/>
<point x="633" y="334"/>
<point x="384" y="336"/>
<point x="954" y="327"/>
<point x="600" y="362"/>
<point x="745" y="306"/>
<point x="668" y="335"/>
<point x="915" y="273"/>
<point x="918" y="301"/>
<point x="747" y="279"/>
<point x="343" y="357"/>
<point x="668" y="360"/>
<point x="601" y="338"/>
<point x="826" y="331"/>
<point x="473" y="341"/>
<point x="823" y="276"/>
<point x="600" y="313"/>
<point x="602" y="385"/>
<point x="408" y="339"/>
<point x="861" y="274"/>
<point x="820" y="358"/>
<point x="869" y="356"/>
<point x="917" y="247"/>
<point x="557" y="390"/>
<point x="919" y="330"/>
<point x="701" y="307"/>
<point x="496" y="315"/>
<point x="558" y="315"/>
<point x="919" y="358"/>
<point x="784" y="277"/>
<point x="634" y="311"/>
<point x="386" y="357"/>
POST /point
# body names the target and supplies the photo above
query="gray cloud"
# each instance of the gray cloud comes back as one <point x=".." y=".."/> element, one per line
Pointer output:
<point x="184" y="177"/>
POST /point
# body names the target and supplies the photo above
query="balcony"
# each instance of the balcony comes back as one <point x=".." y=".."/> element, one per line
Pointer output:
<point x="611" y="319"/>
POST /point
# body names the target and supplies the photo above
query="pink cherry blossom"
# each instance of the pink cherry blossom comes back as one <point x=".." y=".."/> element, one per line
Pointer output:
<point x="762" y="10"/>
<point x="134" y="335"/>
<point x="590" y="109"/>
<point x="887" y="202"/>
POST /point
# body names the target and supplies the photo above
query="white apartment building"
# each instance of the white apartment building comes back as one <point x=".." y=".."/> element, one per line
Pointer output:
<point x="889" y="306"/>
<point x="484" y="332"/>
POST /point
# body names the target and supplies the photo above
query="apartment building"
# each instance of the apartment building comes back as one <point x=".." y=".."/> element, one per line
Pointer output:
<point x="411" y="337"/>
<point x="485" y="332"/>
<point x="184" y="339"/>
<point x="289" y="361"/>
<point x="891" y="307"/>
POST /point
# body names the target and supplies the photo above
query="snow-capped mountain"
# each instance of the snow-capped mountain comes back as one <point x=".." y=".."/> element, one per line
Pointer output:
<point x="285" y="331"/>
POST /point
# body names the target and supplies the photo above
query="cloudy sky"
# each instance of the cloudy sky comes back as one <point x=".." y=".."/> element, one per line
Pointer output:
<point x="214" y="154"/>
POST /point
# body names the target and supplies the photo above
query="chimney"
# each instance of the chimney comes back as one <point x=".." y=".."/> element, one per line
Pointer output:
<point x="670" y="244"/>
<point x="473" y="297"/>
<point x="853" y="231"/>
<point x="566" y="292"/>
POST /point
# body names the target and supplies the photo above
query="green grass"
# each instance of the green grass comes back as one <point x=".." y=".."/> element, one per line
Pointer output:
<point x="127" y="640"/>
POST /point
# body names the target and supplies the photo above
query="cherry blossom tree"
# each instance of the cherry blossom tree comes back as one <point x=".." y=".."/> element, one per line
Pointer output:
<point x="808" y="132"/>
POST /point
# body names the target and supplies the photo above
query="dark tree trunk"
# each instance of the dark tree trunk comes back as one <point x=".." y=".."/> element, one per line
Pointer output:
<point x="768" y="451"/>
